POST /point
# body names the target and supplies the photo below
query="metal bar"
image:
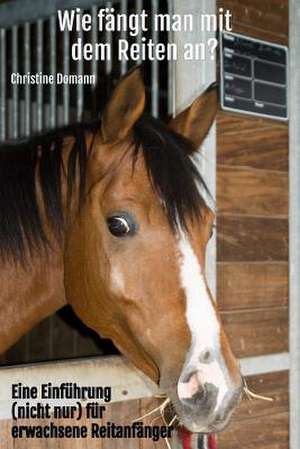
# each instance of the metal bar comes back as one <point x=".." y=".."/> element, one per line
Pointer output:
<point x="53" y="71"/>
<point x="264" y="364"/>
<point x="138" y="10"/>
<point x="94" y="42"/>
<point x="3" y="126"/>
<point x="66" y="70"/>
<point x="21" y="11"/>
<point x="108" y="40"/>
<point x="27" y="66"/>
<point x="15" y="87"/>
<point x="40" y="64"/>
<point x="155" y="69"/>
<point x="294" y="223"/>
<point x="124" y="10"/>
<point x="80" y="92"/>
<point x="171" y="72"/>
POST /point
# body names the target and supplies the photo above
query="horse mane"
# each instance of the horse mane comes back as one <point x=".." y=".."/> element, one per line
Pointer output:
<point x="21" y="226"/>
<point x="172" y="172"/>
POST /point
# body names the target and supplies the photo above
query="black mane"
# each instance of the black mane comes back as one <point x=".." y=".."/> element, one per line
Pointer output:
<point x="21" y="225"/>
<point x="174" y="177"/>
<point x="173" y="173"/>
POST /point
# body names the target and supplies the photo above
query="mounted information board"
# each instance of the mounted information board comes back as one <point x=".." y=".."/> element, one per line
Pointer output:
<point x="254" y="76"/>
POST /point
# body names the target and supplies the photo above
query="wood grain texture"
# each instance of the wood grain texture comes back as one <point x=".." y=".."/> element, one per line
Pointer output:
<point x="252" y="156"/>
<point x="119" y="413"/>
<point x="257" y="332"/>
<point x="252" y="142"/>
<point x="267" y="20"/>
<point x="251" y="239"/>
<point x="252" y="192"/>
<point x="273" y="385"/>
<point x="122" y="413"/>
<point x="5" y="434"/>
<point x="267" y="432"/>
<point x="252" y="285"/>
<point x="232" y="122"/>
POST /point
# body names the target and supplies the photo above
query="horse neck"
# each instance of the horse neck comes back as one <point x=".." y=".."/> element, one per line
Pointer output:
<point x="34" y="289"/>
<point x="28" y="295"/>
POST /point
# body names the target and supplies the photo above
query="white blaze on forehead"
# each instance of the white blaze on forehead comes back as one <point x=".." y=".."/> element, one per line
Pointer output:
<point x="200" y="313"/>
<point x="203" y="323"/>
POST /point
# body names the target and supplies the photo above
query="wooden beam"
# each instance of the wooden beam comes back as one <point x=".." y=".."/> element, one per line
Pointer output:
<point x="116" y="372"/>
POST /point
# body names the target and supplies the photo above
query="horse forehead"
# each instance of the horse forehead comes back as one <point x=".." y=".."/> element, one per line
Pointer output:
<point x="130" y="174"/>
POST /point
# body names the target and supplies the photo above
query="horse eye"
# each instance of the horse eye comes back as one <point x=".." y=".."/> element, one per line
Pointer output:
<point x="120" y="226"/>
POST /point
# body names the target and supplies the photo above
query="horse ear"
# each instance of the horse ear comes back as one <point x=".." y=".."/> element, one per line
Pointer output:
<point x="195" y="121"/>
<point x="124" y="108"/>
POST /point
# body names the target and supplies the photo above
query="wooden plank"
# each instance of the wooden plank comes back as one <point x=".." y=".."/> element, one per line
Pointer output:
<point x="263" y="17"/>
<point x="131" y="384"/>
<point x="260" y="33"/>
<point x="257" y="332"/>
<point x="263" y="192"/>
<point x="34" y="443"/>
<point x="273" y="385"/>
<point x="122" y="413"/>
<point x="252" y="285"/>
<point x="252" y="142"/>
<point x="5" y="434"/>
<point x="249" y="239"/>
<point x="268" y="432"/>
<point x="232" y="122"/>
<point x="80" y="443"/>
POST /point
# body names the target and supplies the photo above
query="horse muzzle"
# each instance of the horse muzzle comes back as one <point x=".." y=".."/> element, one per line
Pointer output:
<point x="206" y="400"/>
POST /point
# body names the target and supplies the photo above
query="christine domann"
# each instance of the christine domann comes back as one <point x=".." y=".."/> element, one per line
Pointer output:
<point x="58" y="78"/>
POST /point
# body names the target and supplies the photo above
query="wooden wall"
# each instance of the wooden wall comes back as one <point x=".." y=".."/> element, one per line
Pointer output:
<point x="122" y="413"/>
<point x="252" y="251"/>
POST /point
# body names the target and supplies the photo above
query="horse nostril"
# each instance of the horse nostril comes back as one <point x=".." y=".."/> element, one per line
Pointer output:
<point x="190" y="390"/>
<point x="200" y="395"/>
<point x="187" y="378"/>
<point x="196" y="400"/>
<point x="206" y="356"/>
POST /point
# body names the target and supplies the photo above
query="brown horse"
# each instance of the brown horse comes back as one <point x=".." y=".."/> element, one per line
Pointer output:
<point x="110" y="220"/>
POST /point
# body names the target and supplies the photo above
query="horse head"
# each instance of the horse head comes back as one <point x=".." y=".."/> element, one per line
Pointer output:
<point x="135" y="254"/>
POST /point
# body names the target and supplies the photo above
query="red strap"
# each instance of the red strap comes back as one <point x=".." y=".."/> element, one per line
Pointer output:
<point x="212" y="441"/>
<point x="185" y="437"/>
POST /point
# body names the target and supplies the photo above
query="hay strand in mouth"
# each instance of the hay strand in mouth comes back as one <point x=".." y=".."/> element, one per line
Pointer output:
<point x="251" y="395"/>
<point x="161" y="409"/>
